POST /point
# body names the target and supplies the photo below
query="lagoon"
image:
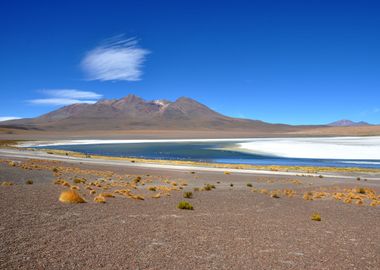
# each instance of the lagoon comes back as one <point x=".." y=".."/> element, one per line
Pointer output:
<point x="331" y="152"/>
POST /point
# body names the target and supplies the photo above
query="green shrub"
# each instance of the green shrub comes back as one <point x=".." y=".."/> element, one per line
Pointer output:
<point x="29" y="182"/>
<point x="249" y="185"/>
<point x="231" y="185"/>
<point x="185" y="205"/>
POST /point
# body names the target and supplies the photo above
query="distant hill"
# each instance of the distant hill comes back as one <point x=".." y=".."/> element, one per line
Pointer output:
<point x="134" y="113"/>
<point x="348" y="123"/>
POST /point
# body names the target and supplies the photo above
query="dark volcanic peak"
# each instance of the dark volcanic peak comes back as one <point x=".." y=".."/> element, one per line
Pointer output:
<point x="347" y="123"/>
<point x="132" y="112"/>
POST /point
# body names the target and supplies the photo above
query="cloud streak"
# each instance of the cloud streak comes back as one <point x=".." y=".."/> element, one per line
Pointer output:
<point x="72" y="93"/>
<point x="59" y="101"/>
<point x="6" y="118"/>
<point x="117" y="59"/>
<point x="63" y="97"/>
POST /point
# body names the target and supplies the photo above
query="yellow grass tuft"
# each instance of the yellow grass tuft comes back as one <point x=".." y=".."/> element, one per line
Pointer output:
<point x="289" y="192"/>
<point x="316" y="217"/>
<point x="227" y="173"/>
<point x="375" y="203"/>
<point x="152" y="188"/>
<point x="6" y="184"/>
<point x="66" y="184"/>
<point x="92" y="192"/>
<point x="347" y="200"/>
<point x="137" y="197"/>
<point x="157" y="196"/>
<point x="275" y="194"/>
<point x="107" y="195"/>
<point x="359" y="202"/>
<point x="79" y="180"/>
<point x="185" y="205"/>
<point x="71" y="196"/>
<point x="99" y="199"/>
<point x="59" y="182"/>
<point x="74" y="187"/>
<point x="308" y="196"/>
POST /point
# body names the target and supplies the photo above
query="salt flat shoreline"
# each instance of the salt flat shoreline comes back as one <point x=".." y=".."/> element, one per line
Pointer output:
<point x="359" y="149"/>
<point x="23" y="153"/>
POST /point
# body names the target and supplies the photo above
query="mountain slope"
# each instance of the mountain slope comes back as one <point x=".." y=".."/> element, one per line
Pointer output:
<point x="134" y="113"/>
<point x="347" y="123"/>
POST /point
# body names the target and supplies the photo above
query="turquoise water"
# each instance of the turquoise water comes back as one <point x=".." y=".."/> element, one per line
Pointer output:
<point x="207" y="152"/>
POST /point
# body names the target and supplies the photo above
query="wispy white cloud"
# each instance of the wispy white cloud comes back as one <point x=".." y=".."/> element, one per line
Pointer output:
<point x="59" y="101"/>
<point x="6" y="118"/>
<point x="71" y="93"/>
<point x="66" y="97"/>
<point x="117" y="59"/>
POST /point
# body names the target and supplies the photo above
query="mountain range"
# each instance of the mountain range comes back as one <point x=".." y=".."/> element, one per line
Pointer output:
<point x="348" y="123"/>
<point x="134" y="113"/>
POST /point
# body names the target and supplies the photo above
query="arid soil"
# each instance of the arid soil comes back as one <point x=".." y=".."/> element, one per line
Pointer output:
<point x="239" y="224"/>
<point x="20" y="134"/>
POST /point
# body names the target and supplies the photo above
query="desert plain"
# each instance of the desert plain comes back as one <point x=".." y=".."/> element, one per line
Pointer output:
<point x="238" y="220"/>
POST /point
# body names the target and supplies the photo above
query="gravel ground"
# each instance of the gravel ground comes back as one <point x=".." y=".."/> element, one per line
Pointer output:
<point x="229" y="228"/>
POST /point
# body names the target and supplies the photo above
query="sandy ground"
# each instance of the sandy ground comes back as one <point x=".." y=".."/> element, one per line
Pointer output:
<point x="231" y="227"/>
<point x="20" y="134"/>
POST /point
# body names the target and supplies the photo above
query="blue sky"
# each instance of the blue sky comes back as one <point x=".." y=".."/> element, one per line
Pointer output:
<point x="297" y="62"/>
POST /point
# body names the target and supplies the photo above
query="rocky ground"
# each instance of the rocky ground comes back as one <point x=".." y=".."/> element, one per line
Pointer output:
<point x="239" y="224"/>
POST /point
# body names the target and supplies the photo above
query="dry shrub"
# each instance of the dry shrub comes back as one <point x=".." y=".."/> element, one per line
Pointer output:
<point x="107" y="195"/>
<point x="359" y="202"/>
<point x="59" y="182"/>
<point x="347" y="200"/>
<point x="316" y="217"/>
<point x="375" y="203"/>
<point x="79" y="180"/>
<point x="7" y="184"/>
<point x="188" y="194"/>
<point x="99" y="199"/>
<point x="308" y="196"/>
<point x="157" y="196"/>
<point x="71" y="196"/>
<point x="66" y="184"/>
<point x="185" y="205"/>
<point x="275" y="194"/>
<point x="137" y="197"/>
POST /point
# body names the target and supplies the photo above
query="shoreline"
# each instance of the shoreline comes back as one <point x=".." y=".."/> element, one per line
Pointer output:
<point x="74" y="157"/>
<point x="355" y="149"/>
